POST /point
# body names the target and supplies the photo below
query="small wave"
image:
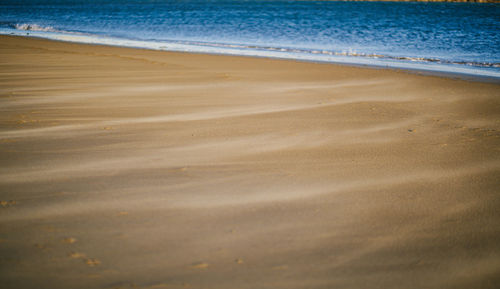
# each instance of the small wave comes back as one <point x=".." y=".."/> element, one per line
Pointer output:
<point x="34" y="27"/>
<point x="343" y="53"/>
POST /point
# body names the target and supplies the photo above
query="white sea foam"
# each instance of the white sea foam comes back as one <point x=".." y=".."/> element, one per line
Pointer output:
<point x="34" y="27"/>
<point x="350" y="57"/>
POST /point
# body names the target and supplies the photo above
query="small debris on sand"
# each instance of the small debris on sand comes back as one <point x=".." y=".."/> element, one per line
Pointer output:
<point x="238" y="261"/>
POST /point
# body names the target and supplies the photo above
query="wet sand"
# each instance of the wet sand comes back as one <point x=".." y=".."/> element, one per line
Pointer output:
<point x="128" y="168"/>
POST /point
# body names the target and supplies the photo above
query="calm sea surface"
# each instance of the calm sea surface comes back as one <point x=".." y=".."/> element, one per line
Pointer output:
<point x="453" y="37"/>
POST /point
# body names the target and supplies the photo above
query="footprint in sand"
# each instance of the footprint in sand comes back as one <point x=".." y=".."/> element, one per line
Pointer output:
<point x="92" y="262"/>
<point x="199" y="265"/>
<point x="6" y="204"/>
<point x="40" y="246"/>
<point x="76" y="255"/>
<point x="69" y="240"/>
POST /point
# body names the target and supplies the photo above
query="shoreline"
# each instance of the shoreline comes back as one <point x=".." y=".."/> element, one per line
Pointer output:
<point x="132" y="168"/>
<point x="425" y="69"/>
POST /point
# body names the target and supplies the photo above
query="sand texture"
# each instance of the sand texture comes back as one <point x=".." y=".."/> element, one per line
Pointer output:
<point x="127" y="168"/>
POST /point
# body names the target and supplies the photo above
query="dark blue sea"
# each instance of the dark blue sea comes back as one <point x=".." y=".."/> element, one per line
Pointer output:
<point x="447" y="37"/>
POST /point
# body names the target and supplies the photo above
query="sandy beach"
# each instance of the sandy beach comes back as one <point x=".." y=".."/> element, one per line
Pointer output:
<point x="129" y="168"/>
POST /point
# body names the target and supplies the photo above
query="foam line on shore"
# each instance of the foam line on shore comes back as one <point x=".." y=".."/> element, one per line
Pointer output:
<point x="414" y="64"/>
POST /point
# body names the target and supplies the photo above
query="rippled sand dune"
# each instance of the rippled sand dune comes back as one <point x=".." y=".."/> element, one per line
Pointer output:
<point x="125" y="168"/>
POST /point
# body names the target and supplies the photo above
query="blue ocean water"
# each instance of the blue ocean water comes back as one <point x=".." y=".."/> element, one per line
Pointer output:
<point x="448" y="37"/>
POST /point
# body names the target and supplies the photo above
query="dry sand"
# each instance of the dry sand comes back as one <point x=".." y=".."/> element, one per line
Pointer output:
<point x="128" y="168"/>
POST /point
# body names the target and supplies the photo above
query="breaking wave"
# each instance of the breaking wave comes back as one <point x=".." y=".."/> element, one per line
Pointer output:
<point x="342" y="53"/>
<point x="34" y="27"/>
